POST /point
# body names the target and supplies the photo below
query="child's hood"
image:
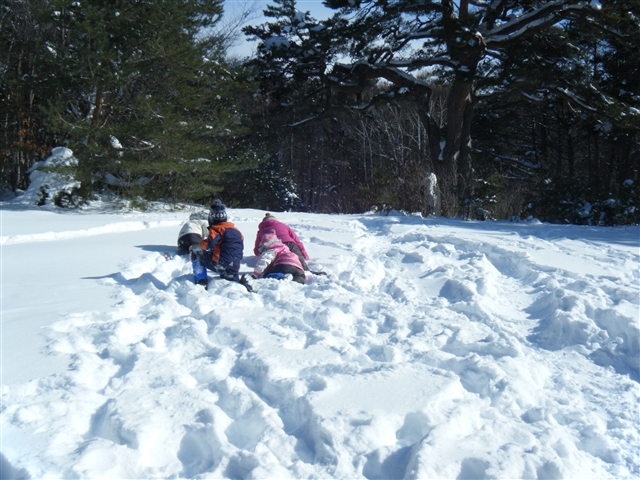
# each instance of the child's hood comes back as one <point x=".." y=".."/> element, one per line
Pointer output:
<point x="269" y="240"/>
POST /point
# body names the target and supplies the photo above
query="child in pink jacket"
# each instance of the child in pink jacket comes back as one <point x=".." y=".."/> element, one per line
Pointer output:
<point x="286" y="236"/>
<point x="276" y="258"/>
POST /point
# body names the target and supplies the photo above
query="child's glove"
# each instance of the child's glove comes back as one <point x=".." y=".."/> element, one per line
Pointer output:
<point x="195" y="248"/>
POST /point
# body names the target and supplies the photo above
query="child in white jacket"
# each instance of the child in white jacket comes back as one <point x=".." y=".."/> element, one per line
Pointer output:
<point x="192" y="232"/>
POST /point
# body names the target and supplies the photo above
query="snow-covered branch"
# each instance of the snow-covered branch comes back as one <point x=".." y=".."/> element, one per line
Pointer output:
<point x="303" y="121"/>
<point x="547" y="14"/>
<point x="517" y="161"/>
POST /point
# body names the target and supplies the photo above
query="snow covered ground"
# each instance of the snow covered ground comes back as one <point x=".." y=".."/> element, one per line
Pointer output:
<point x="434" y="348"/>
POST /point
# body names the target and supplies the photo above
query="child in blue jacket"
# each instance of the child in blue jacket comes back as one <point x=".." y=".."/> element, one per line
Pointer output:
<point x="221" y="251"/>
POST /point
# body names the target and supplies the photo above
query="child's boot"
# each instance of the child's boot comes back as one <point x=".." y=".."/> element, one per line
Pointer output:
<point x="199" y="274"/>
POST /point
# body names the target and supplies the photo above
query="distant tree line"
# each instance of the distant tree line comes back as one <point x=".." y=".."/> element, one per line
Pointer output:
<point x="476" y="109"/>
<point x="517" y="107"/>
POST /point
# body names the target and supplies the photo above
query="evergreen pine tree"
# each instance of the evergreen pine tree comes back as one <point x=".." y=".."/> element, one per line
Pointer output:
<point x="23" y="136"/>
<point x="144" y="97"/>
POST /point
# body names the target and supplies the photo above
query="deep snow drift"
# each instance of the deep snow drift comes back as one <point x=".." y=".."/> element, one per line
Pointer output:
<point x="433" y="349"/>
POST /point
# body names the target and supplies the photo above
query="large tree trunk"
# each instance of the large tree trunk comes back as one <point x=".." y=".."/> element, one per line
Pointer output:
<point x="450" y="146"/>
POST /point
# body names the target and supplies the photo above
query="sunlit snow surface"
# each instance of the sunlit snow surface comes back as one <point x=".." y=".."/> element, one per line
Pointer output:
<point x="433" y="349"/>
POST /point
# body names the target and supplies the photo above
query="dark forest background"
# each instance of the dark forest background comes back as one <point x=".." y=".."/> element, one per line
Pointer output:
<point x="488" y="119"/>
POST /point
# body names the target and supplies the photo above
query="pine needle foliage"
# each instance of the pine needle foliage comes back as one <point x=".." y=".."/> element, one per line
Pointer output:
<point x="143" y="95"/>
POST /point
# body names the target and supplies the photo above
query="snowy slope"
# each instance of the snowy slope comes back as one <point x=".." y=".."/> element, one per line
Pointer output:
<point x="433" y="349"/>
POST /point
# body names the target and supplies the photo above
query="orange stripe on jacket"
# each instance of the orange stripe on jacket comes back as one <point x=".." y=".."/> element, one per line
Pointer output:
<point x="217" y="230"/>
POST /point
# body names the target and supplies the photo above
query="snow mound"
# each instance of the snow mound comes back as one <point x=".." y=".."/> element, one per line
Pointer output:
<point x="50" y="178"/>
<point x="433" y="349"/>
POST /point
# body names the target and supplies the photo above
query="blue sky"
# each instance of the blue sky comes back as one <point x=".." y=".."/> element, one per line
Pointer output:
<point x="315" y="7"/>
